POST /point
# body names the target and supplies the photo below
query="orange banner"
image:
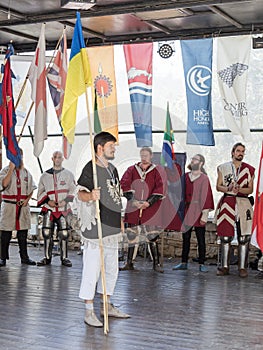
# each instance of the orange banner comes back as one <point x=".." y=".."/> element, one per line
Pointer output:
<point x="103" y="77"/>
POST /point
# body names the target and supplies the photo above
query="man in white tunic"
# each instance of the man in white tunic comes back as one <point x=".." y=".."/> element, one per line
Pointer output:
<point x="55" y="192"/>
<point x="17" y="187"/>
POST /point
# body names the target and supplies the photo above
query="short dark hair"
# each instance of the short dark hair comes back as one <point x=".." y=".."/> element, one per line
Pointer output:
<point x="102" y="138"/>
<point x="235" y="147"/>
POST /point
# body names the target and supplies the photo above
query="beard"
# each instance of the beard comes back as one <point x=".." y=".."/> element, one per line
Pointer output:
<point x="109" y="157"/>
<point x="193" y="167"/>
<point x="239" y="158"/>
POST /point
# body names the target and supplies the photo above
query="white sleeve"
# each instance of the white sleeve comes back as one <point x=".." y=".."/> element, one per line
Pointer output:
<point x="86" y="211"/>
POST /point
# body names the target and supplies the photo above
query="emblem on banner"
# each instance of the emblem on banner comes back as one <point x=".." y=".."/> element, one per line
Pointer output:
<point x="133" y="73"/>
<point x="103" y="84"/>
<point x="237" y="110"/>
<point x="198" y="78"/>
<point x="166" y="50"/>
<point x="229" y="74"/>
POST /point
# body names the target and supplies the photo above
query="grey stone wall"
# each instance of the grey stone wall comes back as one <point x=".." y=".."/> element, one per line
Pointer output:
<point x="172" y="244"/>
<point x="171" y="241"/>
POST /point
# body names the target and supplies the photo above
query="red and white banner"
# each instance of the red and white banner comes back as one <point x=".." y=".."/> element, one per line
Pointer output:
<point x="257" y="226"/>
<point x="139" y="71"/>
<point x="37" y="78"/>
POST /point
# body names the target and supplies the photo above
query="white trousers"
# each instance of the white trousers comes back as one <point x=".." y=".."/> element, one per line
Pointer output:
<point x="91" y="274"/>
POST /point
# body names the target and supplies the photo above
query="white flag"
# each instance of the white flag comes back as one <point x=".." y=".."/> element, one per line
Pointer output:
<point x="37" y="77"/>
<point x="232" y="69"/>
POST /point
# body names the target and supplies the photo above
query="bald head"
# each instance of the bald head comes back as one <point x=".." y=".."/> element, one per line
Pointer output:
<point x="57" y="159"/>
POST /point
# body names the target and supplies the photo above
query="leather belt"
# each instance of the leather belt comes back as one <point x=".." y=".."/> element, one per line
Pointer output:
<point x="18" y="203"/>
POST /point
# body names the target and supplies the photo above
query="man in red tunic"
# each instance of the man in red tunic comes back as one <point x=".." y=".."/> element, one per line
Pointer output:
<point x="143" y="184"/>
<point x="234" y="211"/>
<point x="198" y="203"/>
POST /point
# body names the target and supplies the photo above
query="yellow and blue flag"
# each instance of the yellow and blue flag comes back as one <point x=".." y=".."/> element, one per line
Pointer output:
<point x="78" y="79"/>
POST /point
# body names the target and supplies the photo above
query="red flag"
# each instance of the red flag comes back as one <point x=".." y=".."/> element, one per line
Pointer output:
<point x="37" y="77"/>
<point x="7" y="112"/>
<point x="257" y="225"/>
<point x="139" y="72"/>
<point x="57" y="76"/>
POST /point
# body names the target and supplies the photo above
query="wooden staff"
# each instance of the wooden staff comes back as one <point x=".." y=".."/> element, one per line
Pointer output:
<point x="95" y="181"/>
<point x="21" y="91"/>
<point x="54" y="52"/>
<point x="24" y="124"/>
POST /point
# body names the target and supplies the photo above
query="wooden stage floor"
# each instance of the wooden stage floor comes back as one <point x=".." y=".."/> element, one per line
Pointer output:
<point x="40" y="308"/>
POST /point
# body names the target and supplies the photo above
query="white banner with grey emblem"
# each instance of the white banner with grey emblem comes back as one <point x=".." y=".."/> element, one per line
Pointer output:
<point x="232" y="70"/>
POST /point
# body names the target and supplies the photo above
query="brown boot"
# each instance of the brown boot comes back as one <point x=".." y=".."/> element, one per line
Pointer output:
<point x="158" y="268"/>
<point x="243" y="273"/>
<point x="222" y="271"/>
<point x="127" y="267"/>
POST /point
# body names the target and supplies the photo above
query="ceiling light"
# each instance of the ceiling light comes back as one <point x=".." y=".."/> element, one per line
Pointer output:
<point x="258" y="43"/>
<point x="77" y="4"/>
<point x="163" y="14"/>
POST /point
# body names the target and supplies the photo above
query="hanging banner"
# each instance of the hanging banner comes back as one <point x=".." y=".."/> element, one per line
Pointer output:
<point x="37" y="78"/>
<point x="197" y="61"/>
<point x="232" y="69"/>
<point x="139" y="71"/>
<point x="103" y="77"/>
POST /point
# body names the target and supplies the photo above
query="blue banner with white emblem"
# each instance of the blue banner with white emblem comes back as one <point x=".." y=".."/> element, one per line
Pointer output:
<point x="197" y="61"/>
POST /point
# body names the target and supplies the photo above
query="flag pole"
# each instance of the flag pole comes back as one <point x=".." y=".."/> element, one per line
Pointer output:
<point x="21" y="91"/>
<point x="27" y="76"/>
<point x="55" y="49"/>
<point x="68" y="121"/>
<point x="24" y="124"/>
<point x="95" y="181"/>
